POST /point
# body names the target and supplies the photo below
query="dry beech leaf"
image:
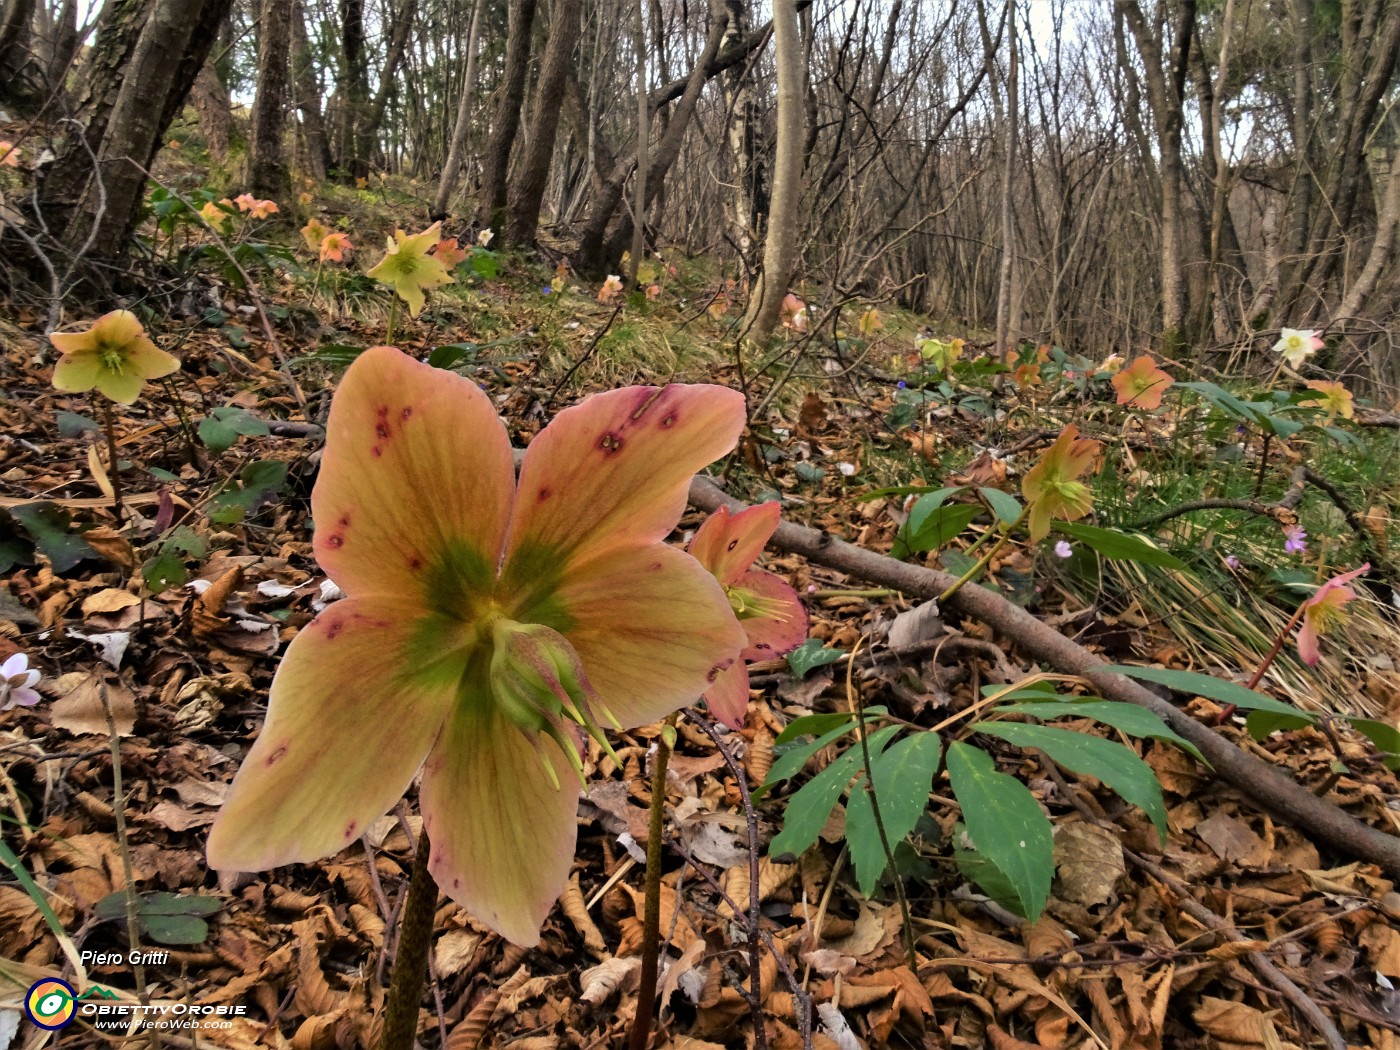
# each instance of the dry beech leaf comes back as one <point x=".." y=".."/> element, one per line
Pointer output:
<point x="454" y="950"/>
<point x="1089" y="863"/>
<point x="572" y="903"/>
<point x="79" y="708"/>
<point x="611" y="975"/>
<point x="772" y="877"/>
<point x="468" y="1034"/>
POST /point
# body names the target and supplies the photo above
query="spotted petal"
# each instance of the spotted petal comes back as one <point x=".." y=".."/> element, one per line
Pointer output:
<point x="615" y="470"/>
<point x="502" y="834"/>
<point x="77" y="370"/>
<point x="651" y="626"/>
<point x="728" y="544"/>
<point x="415" y="485"/>
<point x="780" y="631"/>
<point x="355" y="707"/>
<point x="728" y="697"/>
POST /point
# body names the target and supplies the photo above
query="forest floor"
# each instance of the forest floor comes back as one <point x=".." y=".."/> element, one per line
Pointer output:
<point x="163" y="630"/>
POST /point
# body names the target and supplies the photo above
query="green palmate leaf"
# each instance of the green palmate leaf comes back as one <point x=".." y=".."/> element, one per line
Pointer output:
<point x="223" y="427"/>
<point x="903" y="777"/>
<point x="934" y="529"/>
<point x="1121" y="545"/>
<point x="810" y="655"/>
<point x="1126" y="718"/>
<point x="48" y="525"/>
<point x="1116" y="765"/>
<point x="1205" y="685"/>
<point x="167" y="918"/>
<point x="1005" y="823"/>
<point x="808" y="809"/>
<point x="1006" y="506"/>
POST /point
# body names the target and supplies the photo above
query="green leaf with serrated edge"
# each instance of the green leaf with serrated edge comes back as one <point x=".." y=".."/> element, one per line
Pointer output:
<point x="991" y="880"/>
<point x="1126" y="718"/>
<point x="1005" y="823"/>
<point x="1383" y="735"/>
<point x="903" y="777"/>
<point x="808" y="809"/>
<point x="815" y="725"/>
<point x="1117" y="765"/>
<point x="1196" y="684"/>
<point x="810" y="655"/>
<point x="1259" y="724"/>
<point x="936" y="529"/>
<point x="1006" y="506"/>
<point x="1118" y="545"/>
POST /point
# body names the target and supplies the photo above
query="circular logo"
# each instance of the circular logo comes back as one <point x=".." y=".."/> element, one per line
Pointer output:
<point x="49" y="1003"/>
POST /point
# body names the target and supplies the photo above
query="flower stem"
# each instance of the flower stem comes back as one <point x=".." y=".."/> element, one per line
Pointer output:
<point x="411" y="958"/>
<point x="651" y="917"/>
<point x="986" y="558"/>
<point x="116" y="472"/>
<point x="1277" y="646"/>
<point x="389" y="333"/>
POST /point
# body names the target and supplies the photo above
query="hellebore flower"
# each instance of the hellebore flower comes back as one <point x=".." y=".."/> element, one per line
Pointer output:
<point x="217" y="216"/>
<point x="486" y="626"/>
<point x="334" y="246"/>
<point x="448" y="253"/>
<point x="1323" y="611"/>
<point x="314" y="233"/>
<point x="9" y="154"/>
<point x="409" y="269"/>
<point x="17" y="683"/>
<point x="1142" y="384"/>
<point x="794" y="313"/>
<point x="1296" y="345"/>
<point x="1052" y="488"/>
<point x="611" y="287"/>
<point x="484" y="238"/>
<point x="114" y="355"/>
<point x="768" y="609"/>
<point x="1335" y="399"/>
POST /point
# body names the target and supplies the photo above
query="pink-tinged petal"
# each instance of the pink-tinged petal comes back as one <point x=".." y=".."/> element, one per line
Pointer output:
<point x="652" y="628"/>
<point x="24" y="697"/>
<point x="1309" y="651"/>
<point x="614" y="471"/>
<point x="355" y="707"/>
<point x="771" y="636"/>
<point x="502" y="834"/>
<point x="1338" y="583"/>
<point x="416" y="482"/>
<point x="728" y="544"/>
<point x="728" y="698"/>
<point x="77" y="371"/>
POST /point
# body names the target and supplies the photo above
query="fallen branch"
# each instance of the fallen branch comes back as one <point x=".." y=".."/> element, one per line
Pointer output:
<point x="1276" y="793"/>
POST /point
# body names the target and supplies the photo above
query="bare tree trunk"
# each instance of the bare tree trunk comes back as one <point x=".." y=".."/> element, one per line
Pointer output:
<point x="639" y="206"/>
<point x="457" y="147"/>
<point x="353" y="89"/>
<point x="210" y="99"/>
<point x="740" y="207"/>
<point x="145" y="58"/>
<point x="268" y="175"/>
<point x="1379" y="257"/>
<point x="14" y="33"/>
<point x="372" y="116"/>
<point x="307" y="99"/>
<point x="780" y="248"/>
<point x="527" y="188"/>
<point x="1007" y="276"/>
<point x="510" y="100"/>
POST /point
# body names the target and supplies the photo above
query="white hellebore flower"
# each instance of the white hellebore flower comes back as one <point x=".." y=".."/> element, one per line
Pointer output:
<point x="484" y="238"/>
<point x="1297" y="344"/>
<point x="17" y="682"/>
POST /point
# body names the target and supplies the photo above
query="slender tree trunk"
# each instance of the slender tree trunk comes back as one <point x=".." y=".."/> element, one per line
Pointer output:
<point x="457" y="147"/>
<point x="740" y="208"/>
<point x="353" y="89"/>
<point x="639" y="206"/>
<point x="268" y="175"/>
<point x="532" y="173"/>
<point x="780" y="248"/>
<point x="210" y="99"/>
<point x="1007" y="276"/>
<point x="308" y="99"/>
<point x="510" y="100"/>
<point x="15" y="19"/>
<point x="1381" y="248"/>
<point x="372" y="116"/>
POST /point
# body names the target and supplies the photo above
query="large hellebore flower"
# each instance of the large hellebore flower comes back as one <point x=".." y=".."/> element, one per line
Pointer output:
<point x="488" y="626"/>
<point x="409" y="269"/>
<point x="1298" y="344"/>
<point x="767" y="608"/>
<point x="1324" y="611"/>
<point x="114" y="355"/>
<point x="1052" y="487"/>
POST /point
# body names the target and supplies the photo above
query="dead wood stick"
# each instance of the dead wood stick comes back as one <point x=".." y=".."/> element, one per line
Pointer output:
<point x="1276" y="793"/>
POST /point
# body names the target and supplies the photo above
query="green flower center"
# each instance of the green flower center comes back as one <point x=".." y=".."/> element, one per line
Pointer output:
<point x="113" y="360"/>
<point x="750" y="606"/>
